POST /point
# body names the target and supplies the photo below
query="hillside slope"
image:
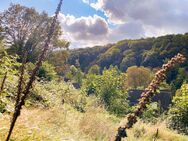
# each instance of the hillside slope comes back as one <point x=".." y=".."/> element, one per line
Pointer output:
<point x="149" y="52"/>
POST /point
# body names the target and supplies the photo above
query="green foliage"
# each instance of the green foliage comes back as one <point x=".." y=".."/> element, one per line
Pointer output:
<point x="9" y="65"/>
<point x="149" y="52"/>
<point x="75" y="75"/>
<point x="58" y="60"/>
<point x="178" y="77"/>
<point x="28" y="30"/>
<point x="109" y="88"/>
<point x="138" y="77"/>
<point x="86" y="56"/>
<point x="151" y="113"/>
<point x="95" y="69"/>
<point x="1" y="44"/>
<point x="47" y="71"/>
<point x="56" y="93"/>
<point x="178" y="113"/>
<point x="128" y="60"/>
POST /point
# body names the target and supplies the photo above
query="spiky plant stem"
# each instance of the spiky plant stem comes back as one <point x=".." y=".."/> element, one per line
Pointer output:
<point x="21" y="100"/>
<point x="3" y="82"/>
<point x="148" y="93"/>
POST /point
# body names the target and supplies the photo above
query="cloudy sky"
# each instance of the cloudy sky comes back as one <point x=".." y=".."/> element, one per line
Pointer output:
<point x="98" y="22"/>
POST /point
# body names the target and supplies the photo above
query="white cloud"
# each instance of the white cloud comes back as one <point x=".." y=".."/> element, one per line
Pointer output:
<point x="161" y="16"/>
<point x="132" y="19"/>
<point x="127" y="30"/>
<point x="90" y="31"/>
<point x="86" y="31"/>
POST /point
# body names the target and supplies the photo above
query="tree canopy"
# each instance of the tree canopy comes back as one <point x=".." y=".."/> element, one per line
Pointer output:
<point x="24" y="28"/>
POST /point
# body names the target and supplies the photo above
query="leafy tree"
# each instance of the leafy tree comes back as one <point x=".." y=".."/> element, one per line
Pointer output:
<point x="26" y="29"/>
<point x="8" y="63"/>
<point x="70" y="75"/>
<point x="86" y="56"/>
<point x="179" y="78"/>
<point x="178" y="113"/>
<point x="128" y="60"/>
<point x="149" y="52"/>
<point x="95" y="69"/>
<point x="138" y="76"/>
<point x="75" y="74"/>
<point x="22" y="94"/>
<point x="8" y="72"/>
<point x="109" y="88"/>
<point x="59" y="60"/>
<point x="47" y="71"/>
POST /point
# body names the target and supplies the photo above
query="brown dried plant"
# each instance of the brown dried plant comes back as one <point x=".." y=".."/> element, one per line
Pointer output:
<point x="148" y="93"/>
<point x="22" y="94"/>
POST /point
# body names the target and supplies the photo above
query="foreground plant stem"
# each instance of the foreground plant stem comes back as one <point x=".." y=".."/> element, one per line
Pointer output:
<point x="20" y="101"/>
<point x="148" y="93"/>
<point x="3" y="82"/>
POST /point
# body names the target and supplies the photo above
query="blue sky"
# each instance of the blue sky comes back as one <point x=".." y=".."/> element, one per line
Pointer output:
<point x="73" y="7"/>
<point x="98" y="22"/>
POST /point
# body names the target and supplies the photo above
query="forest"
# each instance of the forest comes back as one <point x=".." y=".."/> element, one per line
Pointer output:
<point x="51" y="92"/>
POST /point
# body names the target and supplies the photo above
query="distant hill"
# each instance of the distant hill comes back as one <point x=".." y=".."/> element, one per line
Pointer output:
<point x="149" y="52"/>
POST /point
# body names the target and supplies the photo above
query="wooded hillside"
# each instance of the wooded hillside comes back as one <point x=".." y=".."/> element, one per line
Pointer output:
<point x="149" y="52"/>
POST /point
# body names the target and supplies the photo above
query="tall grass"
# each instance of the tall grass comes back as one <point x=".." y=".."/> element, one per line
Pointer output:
<point x="64" y="123"/>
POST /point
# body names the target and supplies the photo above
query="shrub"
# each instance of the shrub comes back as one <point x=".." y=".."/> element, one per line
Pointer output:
<point x="110" y="90"/>
<point x="47" y="71"/>
<point x="138" y="76"/>
<point x="75" y="75"/>
<point x="95" y="69"/>
<point x="152" y="112"/>
<point x="178" y="113"/>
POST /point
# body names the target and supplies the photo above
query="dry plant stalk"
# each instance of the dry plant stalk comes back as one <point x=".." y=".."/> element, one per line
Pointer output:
<point x="21" y="95"/>
<point x="148" y="93"/>
<point x="3" y="82"/>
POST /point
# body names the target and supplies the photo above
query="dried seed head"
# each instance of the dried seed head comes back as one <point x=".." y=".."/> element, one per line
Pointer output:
<point x="151" y="89"/>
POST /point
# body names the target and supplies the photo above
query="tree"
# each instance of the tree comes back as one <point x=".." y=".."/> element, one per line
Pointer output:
<point x="47" y="71"/>
<point x="95" y="69"/>
<point x="109" y="88"/>
<point x="26" y="29"/>
<point x="59" y="60"/>
<point x="178" y="113"/>
<point x="22" y="94"/>
<point x="179" y="78"/>
<point x="138" y="76"/>
<point x="8" y="70"/>
<point x="75" y="75"/>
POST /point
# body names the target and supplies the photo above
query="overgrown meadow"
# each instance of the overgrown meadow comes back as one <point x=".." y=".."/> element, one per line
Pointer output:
<point x="73" y="101"/>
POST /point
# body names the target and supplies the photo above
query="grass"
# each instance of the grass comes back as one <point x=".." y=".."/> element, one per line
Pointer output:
<point x="66" y="124"/>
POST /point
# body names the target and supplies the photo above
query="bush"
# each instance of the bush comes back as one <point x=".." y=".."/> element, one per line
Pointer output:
<point x="56" y="93"/>
<point x="110" y="90"/>
<point x="95" y="69"/>
<point x="47" y="71"/>
<point x="138" y="76"/>
<point x="75" y="75"/>
<point x="151" y="113"/>
<point x="178" y="113"/>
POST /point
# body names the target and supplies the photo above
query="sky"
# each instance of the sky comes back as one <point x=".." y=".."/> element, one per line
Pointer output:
<point x="86" y="23"/>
